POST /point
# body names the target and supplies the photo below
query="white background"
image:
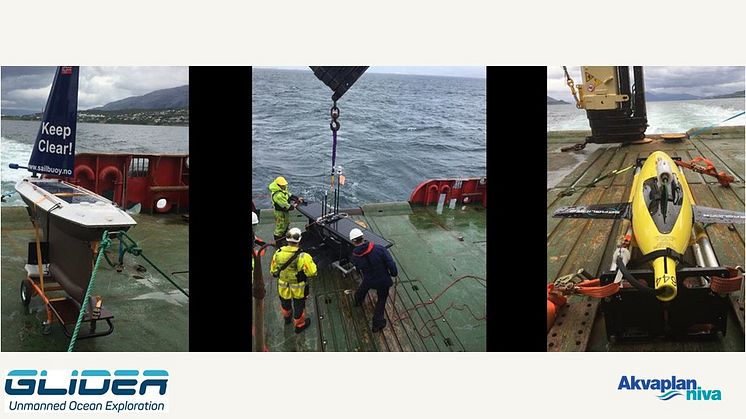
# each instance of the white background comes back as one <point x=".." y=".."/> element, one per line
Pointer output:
<point x="399" y="32"/>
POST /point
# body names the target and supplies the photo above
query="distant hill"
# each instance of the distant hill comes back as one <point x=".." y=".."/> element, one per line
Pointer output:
<point x="173" y="98"/>
<point x="128" y="116"/>
<point x="16" y="112"/>
<point x="553" y="101"/>
<point x="742" y="93"/>
<point x="663" y="97"/>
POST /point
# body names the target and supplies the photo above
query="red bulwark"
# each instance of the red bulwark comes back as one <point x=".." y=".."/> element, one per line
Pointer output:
<point x="130" y="179"/>
<point x="471" y="190"/>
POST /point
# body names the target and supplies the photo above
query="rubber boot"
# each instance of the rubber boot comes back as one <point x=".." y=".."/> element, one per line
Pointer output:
<point x="378" y="328"/>
<point x="304" y="327"/>
<point x="306" y="323"/>
<point x="287" y="315"/>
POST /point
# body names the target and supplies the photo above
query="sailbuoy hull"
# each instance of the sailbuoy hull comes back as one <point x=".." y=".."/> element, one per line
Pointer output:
<point x="72" y="221"/>
<point x="76" y="211"/>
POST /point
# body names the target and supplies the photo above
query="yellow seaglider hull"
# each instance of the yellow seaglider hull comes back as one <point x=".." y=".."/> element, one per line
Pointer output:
<point x="647" y="235"/>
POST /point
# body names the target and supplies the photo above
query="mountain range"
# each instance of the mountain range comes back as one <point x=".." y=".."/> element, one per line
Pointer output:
<point x="662" y="97"/>
<point x="553" y="101"/>
<point x="173" y="98"/>
<point x="651" y="96"/>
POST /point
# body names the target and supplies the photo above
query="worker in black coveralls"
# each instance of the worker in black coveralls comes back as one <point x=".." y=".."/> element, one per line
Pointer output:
<point x="377" y="267"/>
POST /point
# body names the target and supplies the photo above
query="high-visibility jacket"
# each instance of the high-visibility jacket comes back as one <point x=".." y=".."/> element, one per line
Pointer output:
<point x="288" y="284"/>
<point x="280" y="197"/>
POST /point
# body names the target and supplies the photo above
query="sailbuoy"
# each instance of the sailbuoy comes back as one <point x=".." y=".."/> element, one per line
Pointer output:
<point x="69" y="221"/>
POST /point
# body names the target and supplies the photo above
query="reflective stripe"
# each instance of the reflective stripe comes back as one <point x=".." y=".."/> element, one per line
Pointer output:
<point x="284" y="284"/>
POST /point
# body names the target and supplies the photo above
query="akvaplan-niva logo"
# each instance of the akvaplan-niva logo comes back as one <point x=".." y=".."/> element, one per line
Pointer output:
<point x="670" y="388"/>
<point x="86" y="390"/>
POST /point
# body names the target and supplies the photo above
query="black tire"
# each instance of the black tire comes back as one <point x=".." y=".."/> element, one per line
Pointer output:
<point x="25" y="295"/>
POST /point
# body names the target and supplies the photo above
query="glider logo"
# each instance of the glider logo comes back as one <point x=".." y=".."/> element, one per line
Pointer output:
<point x="670" y="388"/>
<point x="86" y="390"/>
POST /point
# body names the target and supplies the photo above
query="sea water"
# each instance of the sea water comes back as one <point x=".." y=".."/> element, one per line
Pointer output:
<point x="18" y="139"/>
<point x="663" y="117"/>
<point x="396" y="131"/>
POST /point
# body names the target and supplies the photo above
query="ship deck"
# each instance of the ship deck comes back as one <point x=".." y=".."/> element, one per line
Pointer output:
<point x="149" y="313"/>
<point x="423" y="313"/>
<point x="580" y="243"/>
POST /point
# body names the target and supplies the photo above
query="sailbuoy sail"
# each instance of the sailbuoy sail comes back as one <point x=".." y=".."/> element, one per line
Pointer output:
<point x="54" y="149"/>
<point x="339" y="79"/>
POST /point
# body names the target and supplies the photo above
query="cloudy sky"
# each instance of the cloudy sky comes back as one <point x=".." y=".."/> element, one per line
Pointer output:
<point x="697" y="81"/>
<point x="453" y="71"/>
<point x="28" y="87"/>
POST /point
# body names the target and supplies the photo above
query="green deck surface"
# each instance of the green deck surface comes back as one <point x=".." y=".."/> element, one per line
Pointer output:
<point x="580" y="243"/>
<point x="149" y="313"/>
<point x="429" y="254"/>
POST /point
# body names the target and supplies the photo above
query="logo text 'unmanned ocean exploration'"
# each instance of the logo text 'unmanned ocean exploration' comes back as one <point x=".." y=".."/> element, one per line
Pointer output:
<point x="670" y="388"/>
<point x="86" y="390"/>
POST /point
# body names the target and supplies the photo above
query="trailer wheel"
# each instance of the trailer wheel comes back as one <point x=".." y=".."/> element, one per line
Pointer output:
<point x="25" y="296"/>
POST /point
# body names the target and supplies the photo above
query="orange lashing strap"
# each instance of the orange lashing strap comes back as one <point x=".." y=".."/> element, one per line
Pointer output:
<point x="554" y="303"/>
<point x="708" y="169"/>
<point x="593" y="288"/>
<point x="725" y="285"/>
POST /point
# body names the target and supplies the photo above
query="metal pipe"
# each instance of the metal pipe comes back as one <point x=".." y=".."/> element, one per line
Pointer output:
<point x="258" y="292"/>
<point x="640" y="105"/>
<point x="702" y="249"/>
<point x="323" y="208"/>
<point x="708" y="254"/>
<point x="624" y="86"/>
<point x="698" y="256"/>
<point x="341" y="268"/>
<point x="336" y="200"/>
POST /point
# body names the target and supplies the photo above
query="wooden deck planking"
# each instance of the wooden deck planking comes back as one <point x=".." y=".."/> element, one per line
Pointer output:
<point x="583" y="169"/>
<point x="572" y="331"/>
<point x="721" y="161"/>
<point x="601" y="167"/>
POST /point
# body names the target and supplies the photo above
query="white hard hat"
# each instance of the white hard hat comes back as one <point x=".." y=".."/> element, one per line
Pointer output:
<point x="254" y="219"/>
<point x="355" y="233"/>
<point x="293" y="235"/>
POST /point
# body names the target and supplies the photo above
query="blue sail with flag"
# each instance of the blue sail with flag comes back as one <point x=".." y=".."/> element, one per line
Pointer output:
<point x="54" y="148"/>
